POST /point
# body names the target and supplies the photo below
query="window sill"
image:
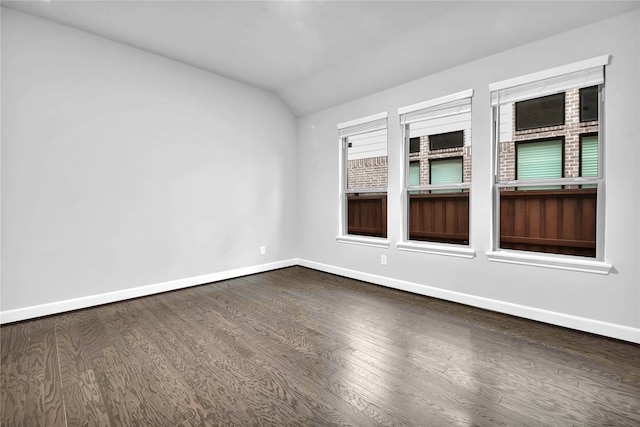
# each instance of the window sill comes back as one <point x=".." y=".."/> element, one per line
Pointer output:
<point x="437" y="249"/>
<point x="549" y="261"/>
<point x="376" y="242"/>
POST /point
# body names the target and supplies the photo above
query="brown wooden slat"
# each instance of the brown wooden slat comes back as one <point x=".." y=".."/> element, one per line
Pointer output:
<point x="548" y="242"/>
<point x="83" y="401"/>
<point x="432" y="236"/>
<point x="366" y="231"/>
<point x="545" y="194"/>
<point x="439" y="217"/>
<point x="551" y="221"/>
<point x="52" y="384"/>
<point x="367" y="215"/>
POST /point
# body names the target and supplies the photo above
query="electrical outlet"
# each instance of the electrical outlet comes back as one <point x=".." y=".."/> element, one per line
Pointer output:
<point x="383" y="259"/>
<point x="263" y="250"/>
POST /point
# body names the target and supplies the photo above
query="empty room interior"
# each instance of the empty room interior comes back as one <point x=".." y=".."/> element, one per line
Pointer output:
<point x="309" y="213"/>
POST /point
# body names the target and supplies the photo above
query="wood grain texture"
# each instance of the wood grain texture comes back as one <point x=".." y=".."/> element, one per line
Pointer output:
<point x="551" y="221"/>
<point x="298" y="347"/>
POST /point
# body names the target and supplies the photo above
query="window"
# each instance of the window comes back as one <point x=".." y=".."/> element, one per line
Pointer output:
<point x="446" y="140"/>
<point x="589" y="155"/>
<point x="446" y="171"/>
<point x="414" y="173"/>
<point x="545" y="111"/>
<point x="547" y="183"/>
<point x="414" y="145"/>
<point x="437" y="182"/>
<point x="589" y="104"/>
<point x="363" y="181"/>
<point x="539" y="159"/>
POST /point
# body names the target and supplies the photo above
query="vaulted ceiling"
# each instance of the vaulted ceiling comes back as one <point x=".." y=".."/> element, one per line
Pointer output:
<point x="315" y="54"/>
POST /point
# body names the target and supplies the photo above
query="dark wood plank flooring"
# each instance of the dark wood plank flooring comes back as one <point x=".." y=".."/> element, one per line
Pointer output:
<point x="297" y="347"/>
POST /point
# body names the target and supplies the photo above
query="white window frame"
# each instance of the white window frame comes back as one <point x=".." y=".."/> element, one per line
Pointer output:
<point x="428" y="108"/>
<point x="585" y="73"/>
<point x="346" y="129"/>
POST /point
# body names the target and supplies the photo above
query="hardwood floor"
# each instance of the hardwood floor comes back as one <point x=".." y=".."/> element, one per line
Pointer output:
<point x="300" y="347"/>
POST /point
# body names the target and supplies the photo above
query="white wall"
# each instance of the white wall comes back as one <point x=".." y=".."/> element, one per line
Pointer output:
<point x="608" y="304"/>
<point x="122" y="169"/>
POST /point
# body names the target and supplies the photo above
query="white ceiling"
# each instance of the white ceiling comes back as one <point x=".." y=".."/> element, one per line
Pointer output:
<point x="315" y="54"/>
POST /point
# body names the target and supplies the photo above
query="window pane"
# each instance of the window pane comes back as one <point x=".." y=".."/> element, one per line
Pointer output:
<point x="540" y="112"/>
<point x="367" y="214"/>
<point x="367" y="160"/>
<point x="446" y="140"/>
<point x="437" y="217"/>
<point x="539" y="160"/>
<point x="414" y="173"/>
<point x="414" y="145"/>
<point x="557" y="221"/>
<point x="589" y="156"/>
<point x="589" y="104"/>
<point x="446" y="171"/>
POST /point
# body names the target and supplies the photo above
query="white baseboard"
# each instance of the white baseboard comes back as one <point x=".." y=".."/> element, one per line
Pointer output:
<point x="57" y="307"/>
<point x="611" y="330"/>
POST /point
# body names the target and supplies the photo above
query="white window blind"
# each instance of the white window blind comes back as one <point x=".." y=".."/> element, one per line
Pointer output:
<point x="367" y="145"/>
<point x="580" y="74"/>
<point x="440" y="115"/>
<point x="449" y="109"/>
<point x="363" y="125"/>
<point x="445" y="106"/>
